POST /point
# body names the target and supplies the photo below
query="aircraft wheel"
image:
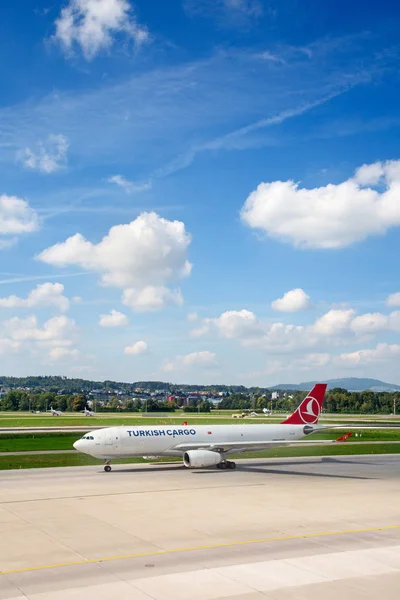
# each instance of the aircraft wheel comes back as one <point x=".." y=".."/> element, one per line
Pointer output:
<point x="231" y="465"/>
<point x="107" y="468"/>
<point x="223" y="465"/>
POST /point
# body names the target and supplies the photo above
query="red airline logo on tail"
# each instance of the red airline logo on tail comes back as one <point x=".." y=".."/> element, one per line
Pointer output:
<point x="310" y="409"/>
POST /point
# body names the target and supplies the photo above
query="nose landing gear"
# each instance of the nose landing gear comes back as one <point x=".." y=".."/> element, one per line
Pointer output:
<point x="107" y="466"/>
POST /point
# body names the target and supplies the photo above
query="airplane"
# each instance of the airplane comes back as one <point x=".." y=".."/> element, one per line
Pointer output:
<point x="88" y="413"/>
<point x="205" y="445"/>
<point x="55" y="413"/>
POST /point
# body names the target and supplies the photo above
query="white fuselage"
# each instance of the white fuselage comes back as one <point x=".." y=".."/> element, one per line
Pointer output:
<point x="162" y="440"/>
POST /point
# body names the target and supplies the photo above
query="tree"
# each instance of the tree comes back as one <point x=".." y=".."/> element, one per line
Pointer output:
<point x="23" y="402"/>
<point x="10" y="401"/>
<point x="114" y="404"/>
<point x="62" y="403"/>
<point x="78" y="402"/>
<point x="205" y="406"/>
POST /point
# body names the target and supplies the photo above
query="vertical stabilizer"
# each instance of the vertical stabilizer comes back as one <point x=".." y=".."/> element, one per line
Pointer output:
<point x="310" y="409"/>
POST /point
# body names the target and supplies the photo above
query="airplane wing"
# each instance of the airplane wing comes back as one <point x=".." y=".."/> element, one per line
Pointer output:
<point x="230" y="446"/>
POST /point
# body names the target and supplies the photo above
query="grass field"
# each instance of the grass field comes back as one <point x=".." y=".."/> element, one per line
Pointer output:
<point x="70" y="460"/>
<point x="9" y="420"/>
<point x="118" y="419"/>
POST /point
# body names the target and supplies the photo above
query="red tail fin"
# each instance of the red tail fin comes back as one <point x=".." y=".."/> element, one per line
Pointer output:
<point x="309" y="410"/>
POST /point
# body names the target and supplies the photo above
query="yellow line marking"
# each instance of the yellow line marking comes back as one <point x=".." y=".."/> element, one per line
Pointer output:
<point x="195" y="548"/>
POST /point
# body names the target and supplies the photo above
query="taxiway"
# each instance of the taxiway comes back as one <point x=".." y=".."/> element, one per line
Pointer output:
<point x="282" y="529"/>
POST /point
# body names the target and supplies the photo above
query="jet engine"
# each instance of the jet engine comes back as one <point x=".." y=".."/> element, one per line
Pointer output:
<point x="196" y="459"/>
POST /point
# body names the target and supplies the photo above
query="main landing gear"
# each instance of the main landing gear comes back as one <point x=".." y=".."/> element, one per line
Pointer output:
<point x="226" y="464"/>
<point x="107" y="466"/>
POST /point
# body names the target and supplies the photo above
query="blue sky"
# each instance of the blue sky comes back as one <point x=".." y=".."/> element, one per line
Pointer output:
<point x="201" y="191"/>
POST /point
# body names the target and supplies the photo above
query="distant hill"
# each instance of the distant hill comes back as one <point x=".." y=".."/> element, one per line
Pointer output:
<point x="353" y="384"/>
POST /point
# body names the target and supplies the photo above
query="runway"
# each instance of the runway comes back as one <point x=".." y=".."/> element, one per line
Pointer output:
<point x="277" y="528"/>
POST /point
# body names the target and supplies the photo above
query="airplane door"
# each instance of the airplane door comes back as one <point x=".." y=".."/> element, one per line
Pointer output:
<point x="109" y="439"/>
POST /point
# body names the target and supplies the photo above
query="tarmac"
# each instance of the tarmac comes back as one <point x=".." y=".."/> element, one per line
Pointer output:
<point x="284" y="529"/>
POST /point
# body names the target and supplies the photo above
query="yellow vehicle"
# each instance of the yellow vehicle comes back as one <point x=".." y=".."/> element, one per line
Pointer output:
<point x="239" y="416"/>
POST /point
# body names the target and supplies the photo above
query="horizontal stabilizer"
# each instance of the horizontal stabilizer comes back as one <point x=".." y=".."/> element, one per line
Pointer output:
<point x="344" y="437"/>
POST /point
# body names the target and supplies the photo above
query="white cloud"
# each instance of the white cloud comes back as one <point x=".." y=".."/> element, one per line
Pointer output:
<point x="393" y="299"/>
<point x="16" y="216"/>
<point x="331" y="217"/>
<point x="334" y="328"/>
<point x="203" y="359"/>
<point x="58" y="331"/>
<point x="200" y="359"/>
<point x="293" y="301"/>
<point x="244" y="326"/>
<point x="394" y="321"/>
<point x="53" y="340"/>
<point x="115" y="111"/>
<point x="314" y="360"/>
<point x="229" y="12"/>
<point x="269" y="56"/>
<point x="7" y="345"/>
<point x="306" y="362"/>
<point x="61" y="353"/>
<point x="283" y="338"/>
<point x="129" y="186"/>
<point x="139" y="257"/>
<point x="136" y="348"/>
<point x="192" y="317"/>
<point x="147" y="251"/>
<point x="369" y="323"/>
<point x="45" y="294"/>
<point x="232" y="324"/>
<point x="8" y="243"/>
<point x="333" y="322"/>
<point x="49" y="156"/>
<point x="151" y="298"/>
<point x="249" y="7"/>
<point x="382" y="352"/>
<point x="381" y="356"/>
<point x="369" y="174"/>
<point x="94" y="24"/>
<point x="114" y="319"/>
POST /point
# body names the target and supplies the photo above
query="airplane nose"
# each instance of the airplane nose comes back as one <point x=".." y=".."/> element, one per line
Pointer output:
<point x="77" y="445"/>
